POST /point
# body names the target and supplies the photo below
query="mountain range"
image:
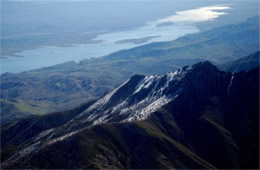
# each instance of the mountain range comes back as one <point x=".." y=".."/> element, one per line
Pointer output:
<point x="195" y="117"/>
<point x="71" y="84"/>
<point x="243" y="64"/>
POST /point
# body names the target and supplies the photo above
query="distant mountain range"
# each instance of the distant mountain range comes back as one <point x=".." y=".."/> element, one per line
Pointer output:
<point x="220" y="45"/>
<point x="71" y="84"/>
<point x="196" y="117"/>
<point x="243" y="64"/>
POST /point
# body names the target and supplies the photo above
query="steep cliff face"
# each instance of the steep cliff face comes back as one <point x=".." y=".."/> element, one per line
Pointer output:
<point x="195" y="117"/>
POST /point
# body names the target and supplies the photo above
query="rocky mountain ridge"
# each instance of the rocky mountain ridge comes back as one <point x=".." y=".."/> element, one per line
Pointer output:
<point x="195" y="117"/>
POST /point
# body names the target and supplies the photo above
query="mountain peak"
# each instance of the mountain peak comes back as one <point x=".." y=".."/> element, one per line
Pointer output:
<point x="204" y="65"/>
<point x="142" y="95"/>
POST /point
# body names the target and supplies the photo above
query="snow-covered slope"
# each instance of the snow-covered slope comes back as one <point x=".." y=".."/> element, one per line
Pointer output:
<point x="135" y="99"/>
<point x="138" y="97"/>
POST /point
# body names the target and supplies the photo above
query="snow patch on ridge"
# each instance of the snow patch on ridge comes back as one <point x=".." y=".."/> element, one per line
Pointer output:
<point x="145" y="112"/>
<point x="230" y="83"/>
<point x="150" y="94"/>
<point x="139" y="110"/>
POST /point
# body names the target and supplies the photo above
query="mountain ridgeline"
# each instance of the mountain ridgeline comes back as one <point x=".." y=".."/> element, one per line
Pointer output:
<point x="196" y="117"/>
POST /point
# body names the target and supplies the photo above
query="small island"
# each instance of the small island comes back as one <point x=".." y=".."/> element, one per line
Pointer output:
<point x="138" y="40"/>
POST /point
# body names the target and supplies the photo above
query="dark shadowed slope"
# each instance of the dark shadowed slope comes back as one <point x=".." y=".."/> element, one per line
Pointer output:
<point x="196" y="117"/>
